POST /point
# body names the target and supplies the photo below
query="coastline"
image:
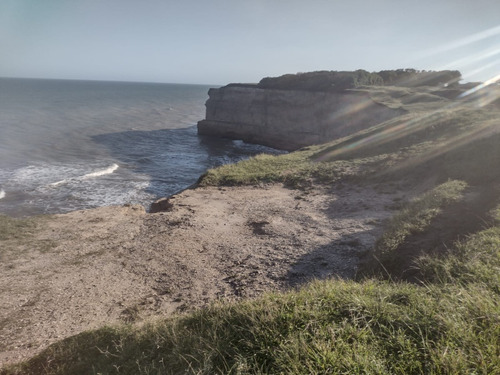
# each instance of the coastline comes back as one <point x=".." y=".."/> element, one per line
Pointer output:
<point x="95" y="267"/>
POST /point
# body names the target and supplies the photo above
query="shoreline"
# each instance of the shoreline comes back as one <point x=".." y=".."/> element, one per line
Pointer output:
<point x="147" y="207"/>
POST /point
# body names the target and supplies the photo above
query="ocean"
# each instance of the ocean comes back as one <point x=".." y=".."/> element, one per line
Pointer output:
<point x="71" y="145"/>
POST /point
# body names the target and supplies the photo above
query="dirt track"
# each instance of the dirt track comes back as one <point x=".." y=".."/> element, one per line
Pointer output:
<point x="115" y="264"/>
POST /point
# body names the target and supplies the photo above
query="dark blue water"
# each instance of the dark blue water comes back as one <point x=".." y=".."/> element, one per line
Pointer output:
<point x="69" y="145"/>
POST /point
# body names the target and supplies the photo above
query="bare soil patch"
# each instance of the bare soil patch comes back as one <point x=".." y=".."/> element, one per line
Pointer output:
<point x="121" y="264"/>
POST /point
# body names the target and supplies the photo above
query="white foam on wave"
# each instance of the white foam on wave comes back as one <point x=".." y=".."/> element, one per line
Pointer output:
<point x="98" y="173"/>
<point x="2" y="193"/>
<point x="101" y="172"/>
<point x="54" y="184"/>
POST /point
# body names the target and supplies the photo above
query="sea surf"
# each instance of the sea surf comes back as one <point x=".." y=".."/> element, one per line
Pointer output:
<point x="70" y="145"/>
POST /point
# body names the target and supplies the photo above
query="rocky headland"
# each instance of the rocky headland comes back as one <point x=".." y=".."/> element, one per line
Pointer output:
<point x="289" y="119"/>
<point x="293" y="111"/>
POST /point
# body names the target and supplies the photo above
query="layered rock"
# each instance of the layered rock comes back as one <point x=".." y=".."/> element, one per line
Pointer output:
<point x="288" y="119"/>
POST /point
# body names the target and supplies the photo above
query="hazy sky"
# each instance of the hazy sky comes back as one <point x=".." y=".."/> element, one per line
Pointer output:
<point x="223" y="41"/>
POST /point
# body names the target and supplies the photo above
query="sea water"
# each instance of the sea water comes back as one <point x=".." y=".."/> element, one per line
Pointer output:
<point x="70" y="145"/>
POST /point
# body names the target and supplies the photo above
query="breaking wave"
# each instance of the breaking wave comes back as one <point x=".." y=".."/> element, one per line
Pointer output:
<point x="2" y="193"/>
<point x="98" y="173"/>
<point x="101" y="172"/>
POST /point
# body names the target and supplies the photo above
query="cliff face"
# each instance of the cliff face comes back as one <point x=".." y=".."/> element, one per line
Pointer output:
<point x="288" y="119"/>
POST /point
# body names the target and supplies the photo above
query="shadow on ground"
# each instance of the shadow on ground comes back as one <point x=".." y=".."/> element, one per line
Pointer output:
<point x="355" y="219"/>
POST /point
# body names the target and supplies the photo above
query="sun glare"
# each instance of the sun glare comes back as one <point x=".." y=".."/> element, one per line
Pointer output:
<point x="491" y="95"/>
<point x="474" y="38"/>
<point x="478" y="96"/>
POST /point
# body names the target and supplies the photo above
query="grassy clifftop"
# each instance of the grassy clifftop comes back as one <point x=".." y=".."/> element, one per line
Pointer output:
<point x="427" y="301"/>
<point x="338" y="81"/>
<point x="452" y="139"/>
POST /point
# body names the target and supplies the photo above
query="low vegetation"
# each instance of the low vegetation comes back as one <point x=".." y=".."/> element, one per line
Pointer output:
<point x="445" y="320"/>
<point x="414" y="218"/>
<point x="338" y="81"/>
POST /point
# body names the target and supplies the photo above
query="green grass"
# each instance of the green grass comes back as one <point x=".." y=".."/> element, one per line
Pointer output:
<point x="297" y="169"/>
<point x="414" y="218"/>
<point x="476" y="260"/>
<point x="259" y="169"/>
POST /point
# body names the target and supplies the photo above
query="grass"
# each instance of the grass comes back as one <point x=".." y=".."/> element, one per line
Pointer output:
<point x="447" y="324"/>
<point x="476" y="260"/>
<point x="415" y="217"/>
<point x="298" y="169"/>
<point x="259" y="169"/>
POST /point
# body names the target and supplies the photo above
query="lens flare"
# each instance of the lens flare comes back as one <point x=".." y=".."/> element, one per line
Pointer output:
<point x="481" y="68"/>
<point x="472" y="59"/>
<point x="387" y="134"/>
<point x="405" y="126"/>
<point x="482" y="86"/>
<point x="479" y="132"/>
<point x="474" y="38"/>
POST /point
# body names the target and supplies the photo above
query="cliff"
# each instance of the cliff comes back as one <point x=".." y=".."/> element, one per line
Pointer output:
<point x="289" y="119"/>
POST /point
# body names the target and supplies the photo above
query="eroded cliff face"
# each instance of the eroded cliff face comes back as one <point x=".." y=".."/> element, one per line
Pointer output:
<point x="287" y="119"/>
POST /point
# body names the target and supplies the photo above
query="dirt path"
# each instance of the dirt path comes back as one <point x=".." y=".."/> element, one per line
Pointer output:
<point x="115" y="264"/>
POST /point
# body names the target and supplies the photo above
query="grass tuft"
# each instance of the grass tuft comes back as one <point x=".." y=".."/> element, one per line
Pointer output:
<point x="476" y="260"/>
<point x="415" y="217"/>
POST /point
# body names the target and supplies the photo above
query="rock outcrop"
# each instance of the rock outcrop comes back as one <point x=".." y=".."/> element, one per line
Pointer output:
<point x="289" y="119"/>
<point x="161" y="205"/>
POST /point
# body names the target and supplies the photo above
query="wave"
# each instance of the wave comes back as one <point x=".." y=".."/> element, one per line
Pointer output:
<point x="54" y="184"/>
<point x="98" y="173"/>
<point x="2" y="193"/>
<point x="101" y="172"/>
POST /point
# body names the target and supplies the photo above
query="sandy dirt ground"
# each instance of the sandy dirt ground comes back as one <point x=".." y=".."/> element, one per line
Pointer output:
<point x="90" y="268"/>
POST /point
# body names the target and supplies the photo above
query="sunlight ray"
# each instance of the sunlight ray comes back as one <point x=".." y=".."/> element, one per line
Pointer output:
<point x="479" y="96"/>
<point x="349" y="110"/>
<point x="472" y="59"/>
<point x="481" y="86"/>
<point x="388" y="134"/>
<point x="494" y="31"/>
<point x="453" y="143"/>
<point x="481" y="69"/>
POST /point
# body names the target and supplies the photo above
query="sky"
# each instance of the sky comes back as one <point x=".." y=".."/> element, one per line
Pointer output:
<point x="217" y="42"/>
